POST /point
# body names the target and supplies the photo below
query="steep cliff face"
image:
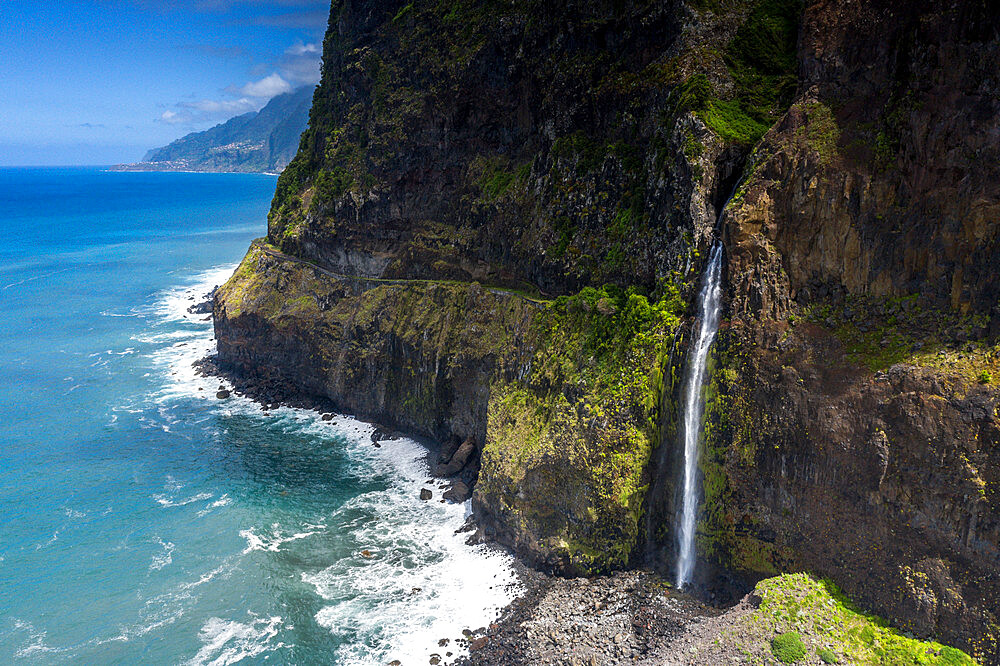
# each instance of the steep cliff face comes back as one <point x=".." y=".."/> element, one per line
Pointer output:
<point x="854" y="429"/>
<point x="882" y="178"/>
<point x="499" y="208"/>
<point x="508" y="143"/>
<point x="885" y="482"/>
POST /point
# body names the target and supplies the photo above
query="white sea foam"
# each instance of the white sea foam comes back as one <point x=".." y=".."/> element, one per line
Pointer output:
<point x="36" y="640"/>
<point x="229" y="642"/>
<point x="226" y="568"/>
<point x="222" y="501"/>
<point x="189" y="338"/>
<point x="271" y="542"/>
<point x="55" y="537"/>
<point x="420" y="573"/>
<point x="421" y="582"/>
<point x="163" y="500"/>
<point x="161" y="560"/>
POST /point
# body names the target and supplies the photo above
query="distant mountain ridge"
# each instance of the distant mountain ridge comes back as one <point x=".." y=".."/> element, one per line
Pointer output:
<point x="257" y="141"/>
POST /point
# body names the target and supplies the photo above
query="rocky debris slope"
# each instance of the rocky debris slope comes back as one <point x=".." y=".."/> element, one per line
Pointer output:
<point x="637" y="618"/>
<point x="627" y="617"/>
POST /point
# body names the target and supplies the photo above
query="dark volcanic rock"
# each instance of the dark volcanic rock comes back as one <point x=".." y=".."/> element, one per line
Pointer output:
<point x="904" y="458"/>
<point x="448" y="449"/>
<point x="458" y="461"/>
<point x="458" y="492"/>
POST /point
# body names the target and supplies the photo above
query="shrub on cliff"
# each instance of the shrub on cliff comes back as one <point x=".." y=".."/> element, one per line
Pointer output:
<point x="827" y="656"/>
<point x="788" y="647"/>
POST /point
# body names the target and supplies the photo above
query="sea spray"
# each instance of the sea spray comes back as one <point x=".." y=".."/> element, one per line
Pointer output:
<point x="418" y="584"/>
<point x="693" y="407"/>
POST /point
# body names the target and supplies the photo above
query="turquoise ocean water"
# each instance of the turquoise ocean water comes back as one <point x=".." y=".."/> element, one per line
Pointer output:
<point x="144" y="521"/>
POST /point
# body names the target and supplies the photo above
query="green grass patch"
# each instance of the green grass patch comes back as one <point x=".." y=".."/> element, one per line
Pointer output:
<point x="825" y="621"/>
<point x="761" y="59"/>
<point x="581" y="425"/>
<point x="827" y="656"/>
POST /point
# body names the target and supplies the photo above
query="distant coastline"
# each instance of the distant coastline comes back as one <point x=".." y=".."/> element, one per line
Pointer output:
<point x="180" y="167"/>
<point x="262" y="141"/>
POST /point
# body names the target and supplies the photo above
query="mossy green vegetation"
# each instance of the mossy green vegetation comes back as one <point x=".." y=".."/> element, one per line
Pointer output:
<point x="827" y="656"/>
<point x="788" y="647"/>
<point x="249" y="290"/>
<point x="811" y="619"/>
<point x="589" y="207"/>
<point x="820" y="132"/>
<point x="595" y="238"/>
<point x="573" y="412"/>
<point x="761" y="62"/>
<point x="579" y="427"/>
<point x="730" y="442"/>
<point x="496" y="177"/>
<point x="878" y="333"/>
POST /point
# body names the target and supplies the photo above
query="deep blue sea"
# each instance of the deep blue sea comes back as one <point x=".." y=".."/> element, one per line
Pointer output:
<point x="144" y="521"/>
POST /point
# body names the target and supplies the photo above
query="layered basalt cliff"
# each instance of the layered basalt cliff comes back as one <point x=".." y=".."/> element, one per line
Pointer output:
<point x="862" y="443"/>
<point x="499" y="209"/>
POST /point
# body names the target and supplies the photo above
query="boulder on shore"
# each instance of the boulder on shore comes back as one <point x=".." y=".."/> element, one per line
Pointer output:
<point x="459" y="492"/>
<point x="458" y="461"/>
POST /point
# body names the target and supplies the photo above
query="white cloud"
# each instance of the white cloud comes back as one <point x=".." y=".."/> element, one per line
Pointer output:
<point x="300" y="63"/>
<point x="267" y="87"/>
<point x="300" y="49"/>
<point x="207" y="111"/>
<point x="226" y="107"/>
<point x="174" y="118"/>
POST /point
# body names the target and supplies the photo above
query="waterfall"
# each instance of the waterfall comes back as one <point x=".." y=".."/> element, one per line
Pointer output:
<point x="692" y="403"/>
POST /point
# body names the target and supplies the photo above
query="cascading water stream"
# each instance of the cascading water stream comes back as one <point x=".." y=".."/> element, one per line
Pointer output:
<point x="692" y="403"/>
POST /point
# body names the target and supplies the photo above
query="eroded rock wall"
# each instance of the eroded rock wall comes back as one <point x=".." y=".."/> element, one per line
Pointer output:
<point x="884" y="176"/>
<point x="886" y="483"/>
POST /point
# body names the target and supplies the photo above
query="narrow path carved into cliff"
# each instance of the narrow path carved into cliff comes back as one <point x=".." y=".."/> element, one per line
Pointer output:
<point x="278" y="254"/>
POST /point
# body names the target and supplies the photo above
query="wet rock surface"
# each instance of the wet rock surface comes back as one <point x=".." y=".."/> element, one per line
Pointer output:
<point x="879" y="481"/>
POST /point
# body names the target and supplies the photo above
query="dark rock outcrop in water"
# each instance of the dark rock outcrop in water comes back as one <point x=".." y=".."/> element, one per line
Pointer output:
<point x="258" y="141"/>
<point x="492" y="234"/>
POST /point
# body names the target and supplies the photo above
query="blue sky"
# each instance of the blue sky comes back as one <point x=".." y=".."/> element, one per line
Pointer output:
<point x="102" y="82"/>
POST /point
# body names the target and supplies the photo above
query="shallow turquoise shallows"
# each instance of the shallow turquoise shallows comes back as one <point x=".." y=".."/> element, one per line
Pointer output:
<point x="142" y="520"/>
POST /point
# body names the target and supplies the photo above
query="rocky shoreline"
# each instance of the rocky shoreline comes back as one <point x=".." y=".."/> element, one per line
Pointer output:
<point x="626" y="617"/>
<point x="631" y="617"/>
